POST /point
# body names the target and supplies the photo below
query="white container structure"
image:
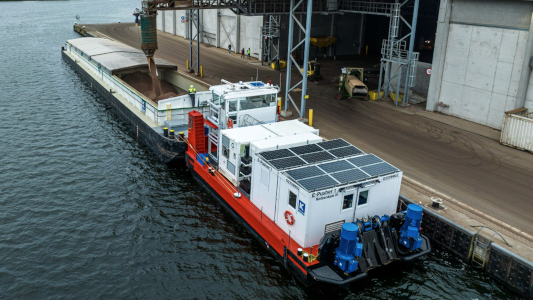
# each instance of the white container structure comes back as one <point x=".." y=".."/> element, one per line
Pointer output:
<point x="322" y="186"/>
<point x="517" y="129"/>
<point x="235" y="144"/>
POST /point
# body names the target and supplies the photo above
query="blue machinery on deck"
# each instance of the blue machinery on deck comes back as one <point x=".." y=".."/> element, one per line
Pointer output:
<point x="348" y="254"/>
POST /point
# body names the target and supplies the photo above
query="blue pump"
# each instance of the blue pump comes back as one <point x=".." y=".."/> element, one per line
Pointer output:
<point x="349" y="248"/>
<point x="410" y="231"/>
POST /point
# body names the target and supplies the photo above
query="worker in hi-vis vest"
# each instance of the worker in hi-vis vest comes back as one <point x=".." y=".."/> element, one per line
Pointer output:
<point x="192" y="93"/>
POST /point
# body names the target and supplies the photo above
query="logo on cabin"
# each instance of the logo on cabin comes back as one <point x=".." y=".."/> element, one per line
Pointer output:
<point x="293" y="185"/>
<point x="390" y="177"/>
<point x="301" y="207"/>
<point x="325" y="194"/>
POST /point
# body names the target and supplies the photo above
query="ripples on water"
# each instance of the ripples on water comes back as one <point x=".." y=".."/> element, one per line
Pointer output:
<point x="87" y="212"/>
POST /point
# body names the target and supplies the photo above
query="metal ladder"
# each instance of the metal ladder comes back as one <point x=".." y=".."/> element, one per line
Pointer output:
<point x="482" y="246"/>
<point x="169" y="112"/>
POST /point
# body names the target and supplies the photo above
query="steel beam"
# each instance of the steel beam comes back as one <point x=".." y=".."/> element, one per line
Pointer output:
<point x="290" y="59"/>
<point x="411" y="59"/>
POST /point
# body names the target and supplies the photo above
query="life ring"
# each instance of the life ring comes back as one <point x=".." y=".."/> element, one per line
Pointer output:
<point x="289" y="217"/>
<point x="230" y="123"/>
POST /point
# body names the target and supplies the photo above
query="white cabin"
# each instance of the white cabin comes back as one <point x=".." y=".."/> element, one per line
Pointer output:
<point x="323" y="185"/>
<point x="234" y="156"/>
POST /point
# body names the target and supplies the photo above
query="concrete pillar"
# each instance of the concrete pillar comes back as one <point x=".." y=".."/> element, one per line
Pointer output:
<point x="237" y="45"/>
<point x="439" y="54"/>
<point x="526" y="71"/>
<point x="218" y="29"/>
<point x="163" y="13"/>
<point x="174" y="21"/>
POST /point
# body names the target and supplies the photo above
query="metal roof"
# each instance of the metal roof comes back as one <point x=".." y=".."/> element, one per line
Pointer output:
<point x="327" y="164"/>
<point x="114" y="56"/>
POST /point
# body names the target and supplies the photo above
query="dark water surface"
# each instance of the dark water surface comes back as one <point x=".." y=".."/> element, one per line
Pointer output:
<point x="86" y="212"/>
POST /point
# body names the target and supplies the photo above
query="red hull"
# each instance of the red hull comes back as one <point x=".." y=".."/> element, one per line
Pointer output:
<point x="274" y="238"/>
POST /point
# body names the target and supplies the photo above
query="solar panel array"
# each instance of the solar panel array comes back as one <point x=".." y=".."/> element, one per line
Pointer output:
<point x="327" y="164"/>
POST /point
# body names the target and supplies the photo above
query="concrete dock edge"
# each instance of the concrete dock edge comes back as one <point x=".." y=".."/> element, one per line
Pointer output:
<point x="513" y="271"/>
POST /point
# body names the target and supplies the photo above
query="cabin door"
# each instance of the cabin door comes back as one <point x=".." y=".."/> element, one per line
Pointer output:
<point x="348" y="205"/>
<point x="361" y="204"/>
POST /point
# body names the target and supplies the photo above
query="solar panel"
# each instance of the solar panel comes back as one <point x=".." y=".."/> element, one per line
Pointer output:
<point x="365" y="160"/>
<point x="316" y="183"/>
<point x="345" y="151"/>
<point x="276" y="154"/>
<point x="349" y="176"/>
<point x="317" y="157"/>
<point x="337" y="143"/>
<point x="379" y="169"/>
<point x="336" y="166"/>
<point x="288" y="162"/>
<point x="306" y="172"/>
<point x="306" y="149"/>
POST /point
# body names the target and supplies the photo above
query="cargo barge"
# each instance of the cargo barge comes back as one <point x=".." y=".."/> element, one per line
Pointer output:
<point x="325" y="209"/>
<point x="120" y="75"/>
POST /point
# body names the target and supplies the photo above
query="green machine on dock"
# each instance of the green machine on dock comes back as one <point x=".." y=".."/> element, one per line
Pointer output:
<point x="351" y="84"/>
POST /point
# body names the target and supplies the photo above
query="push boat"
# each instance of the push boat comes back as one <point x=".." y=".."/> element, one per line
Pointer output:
<point x="120" y="75"/>
<point x="325" y="209"/>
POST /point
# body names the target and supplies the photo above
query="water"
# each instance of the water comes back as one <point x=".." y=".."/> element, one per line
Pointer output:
<point x="87" y="212"/>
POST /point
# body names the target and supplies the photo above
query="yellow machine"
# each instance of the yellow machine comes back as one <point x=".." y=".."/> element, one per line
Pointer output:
<point x="313" y="71"/>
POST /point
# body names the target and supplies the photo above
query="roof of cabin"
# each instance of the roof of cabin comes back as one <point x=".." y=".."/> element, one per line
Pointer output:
<point x="327" y="164"/>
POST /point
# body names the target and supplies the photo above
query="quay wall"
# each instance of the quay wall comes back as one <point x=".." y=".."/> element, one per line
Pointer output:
<point x="506" y="267"/>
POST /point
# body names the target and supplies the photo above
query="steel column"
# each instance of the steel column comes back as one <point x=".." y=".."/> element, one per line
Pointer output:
<point x="194" y="21"/>
<point x="410" y="54"/>
<point x="291" y="60"/>
<point x="306" y="54"/>
<point x="289" y="52"/>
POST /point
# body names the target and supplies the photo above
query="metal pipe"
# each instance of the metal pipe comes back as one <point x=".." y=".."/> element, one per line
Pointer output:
<point x="306" y="54"/>
<point x="289" y="63"/>
<point x="335" y="282"/>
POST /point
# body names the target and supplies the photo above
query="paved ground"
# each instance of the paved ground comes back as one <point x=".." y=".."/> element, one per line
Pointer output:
<point x="428" y="147"/>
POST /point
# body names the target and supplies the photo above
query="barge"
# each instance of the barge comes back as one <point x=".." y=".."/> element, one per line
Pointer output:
<point x="120" y="75"/>
<point x="325" y="209"/>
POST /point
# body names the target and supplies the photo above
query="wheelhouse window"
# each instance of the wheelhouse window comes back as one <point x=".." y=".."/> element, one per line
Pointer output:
<point x="256" y="101"/>
<point x="347" y="202"/>
<point x="363" y="198"/>
<point x="232" y="105"/>
<point x="292" y="199"/>
<point x="218" y="100"/>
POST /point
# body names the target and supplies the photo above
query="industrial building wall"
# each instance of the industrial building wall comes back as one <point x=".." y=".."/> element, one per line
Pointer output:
<point x="218" y="28"/>
<point x="477" y="70"/>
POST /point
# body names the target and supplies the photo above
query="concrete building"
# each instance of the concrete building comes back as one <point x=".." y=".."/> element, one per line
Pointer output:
<point x="481" y="64"/>
<point x="218" y="28"/>
<point x="479" y="55"/>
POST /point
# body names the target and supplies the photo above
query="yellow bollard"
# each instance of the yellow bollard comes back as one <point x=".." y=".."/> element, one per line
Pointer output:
<point x="202" y="71"/>
<point x="279" y="103"/>
<point x="310" y="117"/>
<point x="187" y="65"/>
<point x="366" y="51"/>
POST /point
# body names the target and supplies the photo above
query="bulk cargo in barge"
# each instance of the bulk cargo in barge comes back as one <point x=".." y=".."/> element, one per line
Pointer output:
<point x="120" y="74"/>
<point x="324" y="209"/>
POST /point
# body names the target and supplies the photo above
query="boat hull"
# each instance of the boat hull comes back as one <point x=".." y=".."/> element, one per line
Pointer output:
<point x="280" y="252"/>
